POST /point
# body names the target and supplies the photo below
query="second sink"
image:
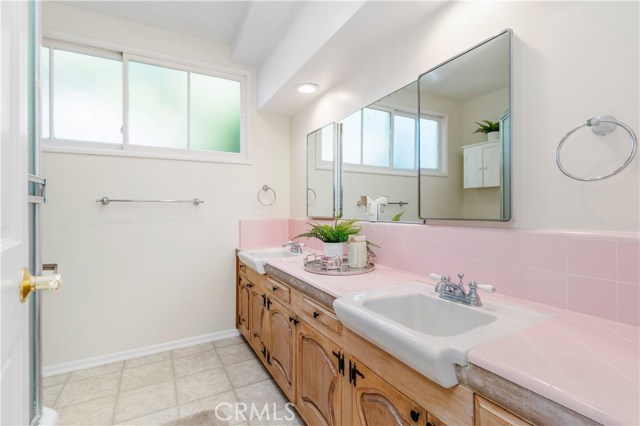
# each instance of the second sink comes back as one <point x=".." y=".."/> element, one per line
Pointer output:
<point x="429" y="334"/>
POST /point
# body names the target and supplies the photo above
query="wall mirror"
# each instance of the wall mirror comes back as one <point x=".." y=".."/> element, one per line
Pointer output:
<point x="321" y="151"/>
<point x="465" y="174"/>
<point x="379" y="159"/>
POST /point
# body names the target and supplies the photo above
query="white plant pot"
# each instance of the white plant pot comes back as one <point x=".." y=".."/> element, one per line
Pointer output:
<point x="493" y="136"/>
<point x="333" y="249"/>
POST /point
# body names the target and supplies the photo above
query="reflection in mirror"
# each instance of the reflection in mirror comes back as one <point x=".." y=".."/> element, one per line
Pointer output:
<point x="379" y="159"/>
<point x="465" y="135"/>
<point x="320" y="167"/>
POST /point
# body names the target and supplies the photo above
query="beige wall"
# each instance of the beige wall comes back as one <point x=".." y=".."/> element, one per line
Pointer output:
<point x="139" y="275"/>
<point x="558" y="83"/>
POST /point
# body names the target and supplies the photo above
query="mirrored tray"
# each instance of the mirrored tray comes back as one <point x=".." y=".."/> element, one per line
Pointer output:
<point x="313" y="264"/>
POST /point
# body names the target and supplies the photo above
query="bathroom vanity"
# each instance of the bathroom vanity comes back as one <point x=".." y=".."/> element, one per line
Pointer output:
<point x="336" y="377"/>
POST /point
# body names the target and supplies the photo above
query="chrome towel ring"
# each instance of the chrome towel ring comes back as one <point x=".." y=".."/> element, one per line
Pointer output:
<point x="266" y="188"/>
<point x="601" y="126"/>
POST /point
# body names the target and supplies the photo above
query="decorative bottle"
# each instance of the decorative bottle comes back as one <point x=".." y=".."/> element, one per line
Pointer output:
<point x="357" y="251"/>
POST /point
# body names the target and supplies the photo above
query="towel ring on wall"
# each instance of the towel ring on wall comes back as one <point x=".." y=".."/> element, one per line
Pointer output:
<point x="266" y="188"/>
<point x="601" y="126"/>
<point x="309" y="203"/>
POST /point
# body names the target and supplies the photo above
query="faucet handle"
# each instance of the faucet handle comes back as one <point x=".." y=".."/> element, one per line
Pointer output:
<point x="484" y="287"/>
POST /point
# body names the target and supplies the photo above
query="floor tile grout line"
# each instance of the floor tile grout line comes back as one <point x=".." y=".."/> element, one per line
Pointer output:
<point x="64" y="385"/>
<point x="175" y="385"/>
<point x="115" y="403"/>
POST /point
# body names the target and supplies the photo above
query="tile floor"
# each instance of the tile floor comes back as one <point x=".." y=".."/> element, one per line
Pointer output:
<point x="159" y="388"/>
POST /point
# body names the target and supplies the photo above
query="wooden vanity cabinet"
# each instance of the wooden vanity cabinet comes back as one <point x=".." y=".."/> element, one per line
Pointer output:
<point x="244" y="294"/>
<point x="320" y="373"/>
<point x="280" y="342"/>
<point x="489" y="414"/>
<point x="375" y="402"/>
<point x="303" y="345"/>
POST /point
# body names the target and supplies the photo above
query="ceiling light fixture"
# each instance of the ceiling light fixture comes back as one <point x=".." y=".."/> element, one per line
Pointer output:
<point x="307" y="87"/>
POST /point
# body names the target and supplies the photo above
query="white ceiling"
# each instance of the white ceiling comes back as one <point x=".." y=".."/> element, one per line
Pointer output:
<point x="289" y="42"/>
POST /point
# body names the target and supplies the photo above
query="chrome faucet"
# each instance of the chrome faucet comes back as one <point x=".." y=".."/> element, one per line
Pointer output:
<point x="456" y="292"/>
<point x="296" y="247"/>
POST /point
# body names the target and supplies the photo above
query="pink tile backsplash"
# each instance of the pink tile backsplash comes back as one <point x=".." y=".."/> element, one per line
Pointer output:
<point x="592" y="258"/>
<point x="628" y="265"/>
<point x="592" y="296"/>
<point x="593" y="273"/>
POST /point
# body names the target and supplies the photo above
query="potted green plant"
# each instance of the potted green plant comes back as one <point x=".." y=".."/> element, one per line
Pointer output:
<point x="333" y="236"/>
<point x="491" y="129"/>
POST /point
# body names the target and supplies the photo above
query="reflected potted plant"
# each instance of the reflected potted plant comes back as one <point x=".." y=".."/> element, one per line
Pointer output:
<point x="333" y="236"/>
<point x="491" y="129"/>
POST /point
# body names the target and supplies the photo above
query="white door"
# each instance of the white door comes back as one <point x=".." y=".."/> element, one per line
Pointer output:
<point x="14" y="244"/>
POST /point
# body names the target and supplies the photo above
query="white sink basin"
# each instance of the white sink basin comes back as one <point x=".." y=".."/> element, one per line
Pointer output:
<point x="431" y="335"/>
<point x="255" y="259"/>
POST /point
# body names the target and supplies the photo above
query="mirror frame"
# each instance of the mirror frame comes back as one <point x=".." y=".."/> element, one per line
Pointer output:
<point x="336" y="183"/>
<point x="507" y="172"/>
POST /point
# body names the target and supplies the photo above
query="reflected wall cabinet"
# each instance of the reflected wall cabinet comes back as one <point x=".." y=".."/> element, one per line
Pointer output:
<point x="482" y="165"/>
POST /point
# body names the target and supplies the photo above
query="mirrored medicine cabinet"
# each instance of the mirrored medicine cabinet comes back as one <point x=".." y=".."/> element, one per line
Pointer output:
<point x="425" y="151"/>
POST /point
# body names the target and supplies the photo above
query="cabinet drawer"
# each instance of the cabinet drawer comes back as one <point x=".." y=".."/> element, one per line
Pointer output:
<point x="319" y="314"/>
<point x="278" y="290"/>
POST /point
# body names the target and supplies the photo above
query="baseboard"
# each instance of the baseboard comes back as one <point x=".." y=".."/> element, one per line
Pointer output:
<point x="67" y="367"/>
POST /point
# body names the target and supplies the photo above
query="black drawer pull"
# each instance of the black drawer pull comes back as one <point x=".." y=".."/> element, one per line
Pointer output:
<point x="274" y="288"/>
<point x="293" y="320"/>
<point x="414" y="415"/>
<point x="316" y="314"/>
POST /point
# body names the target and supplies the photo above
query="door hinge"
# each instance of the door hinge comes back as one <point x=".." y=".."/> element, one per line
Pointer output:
<point x="340" y="357"/>
<point x="37" y="189"/>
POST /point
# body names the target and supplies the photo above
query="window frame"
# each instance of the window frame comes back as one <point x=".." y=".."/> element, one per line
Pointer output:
<point x="82" y="45"/>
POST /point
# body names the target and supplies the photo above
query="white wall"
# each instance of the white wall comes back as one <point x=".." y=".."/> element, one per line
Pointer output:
<point x="561" y="78"/>
<point x="138" y="275"/>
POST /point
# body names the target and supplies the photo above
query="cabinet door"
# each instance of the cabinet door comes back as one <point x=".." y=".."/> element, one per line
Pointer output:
<point x="281" y="346"/>
<point x="257" y="308"/>
<point x="243" y="306"/>
<point x="319" y="379"/>
<point x="489" y="414"/>
<point x="473" y="167"/>
<point x="377" y="403"/>
<point x="491" y="162"/>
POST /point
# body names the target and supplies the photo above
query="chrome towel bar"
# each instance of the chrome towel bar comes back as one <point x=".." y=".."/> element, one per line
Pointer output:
<point x="106" y="200"/>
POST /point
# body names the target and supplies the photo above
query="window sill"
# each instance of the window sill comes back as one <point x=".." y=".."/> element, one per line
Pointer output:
<point x="149" y="154"/>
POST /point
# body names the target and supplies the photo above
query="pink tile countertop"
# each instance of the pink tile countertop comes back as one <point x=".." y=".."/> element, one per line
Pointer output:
<point x="588" y="364"/>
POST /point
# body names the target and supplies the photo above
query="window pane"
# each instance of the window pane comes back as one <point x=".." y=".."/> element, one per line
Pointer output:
<point x="157" y="106"/>
<point x="404" y="142"/>
<point x="326" y="139"/>
<point x="215" y="114"/>
<point x="429" y="158"/>
<point x="44" y="92"/>
<point x="376" y="137"/>
<point x="87" y="100"/>
<point x="351" y="138"/>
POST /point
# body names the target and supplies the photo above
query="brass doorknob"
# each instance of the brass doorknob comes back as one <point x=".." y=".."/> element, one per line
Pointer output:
<point x="30" y="283"/>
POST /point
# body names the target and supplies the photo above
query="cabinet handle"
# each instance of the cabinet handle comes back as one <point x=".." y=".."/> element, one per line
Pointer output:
<point x="340" y="358"/>
<point x="268" y="303"/>
<point x="264" y="300"/>
<point x="274" y="288"/>
<point x="414" y="415"/>
<point x="354" y="373"/>
<point x="316" y="314"/>
<point x="268" y="358"/>
<point x="264" y="352"/>
<point x="293" y="320"/>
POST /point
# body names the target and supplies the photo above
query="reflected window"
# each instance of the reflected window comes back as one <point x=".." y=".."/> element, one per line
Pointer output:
<point x="387" y="138"/>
